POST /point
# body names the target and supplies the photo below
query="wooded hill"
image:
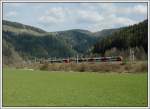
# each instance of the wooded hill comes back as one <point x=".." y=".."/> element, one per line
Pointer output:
<point x="134" y="36"/>
<point x="23" y="42"/>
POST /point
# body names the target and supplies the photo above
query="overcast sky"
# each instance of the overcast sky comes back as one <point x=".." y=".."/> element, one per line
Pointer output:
<point x="65" y="16"/>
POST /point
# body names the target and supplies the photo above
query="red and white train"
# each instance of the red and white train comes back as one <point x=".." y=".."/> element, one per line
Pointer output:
<point x="80" y="60"/>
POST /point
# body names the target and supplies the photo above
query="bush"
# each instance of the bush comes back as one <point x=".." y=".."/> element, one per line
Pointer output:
<point x="98" y="67"/>
<point x="45" y="66"/>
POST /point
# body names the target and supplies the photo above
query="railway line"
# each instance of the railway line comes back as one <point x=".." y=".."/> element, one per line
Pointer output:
<point x="80" y="60"/>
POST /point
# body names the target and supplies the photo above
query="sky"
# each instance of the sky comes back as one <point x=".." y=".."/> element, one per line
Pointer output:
<point x="64" y="16"/>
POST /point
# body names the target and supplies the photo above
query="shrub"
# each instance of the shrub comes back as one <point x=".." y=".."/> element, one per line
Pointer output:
<point x="135" y="67"/>
<point x="45" y="66"/>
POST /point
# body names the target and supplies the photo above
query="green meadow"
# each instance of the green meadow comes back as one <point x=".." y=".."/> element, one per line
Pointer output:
<point x="56" y="88"/>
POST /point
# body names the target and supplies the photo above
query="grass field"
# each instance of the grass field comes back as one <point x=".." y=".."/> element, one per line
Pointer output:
<point x="43" y="88"/>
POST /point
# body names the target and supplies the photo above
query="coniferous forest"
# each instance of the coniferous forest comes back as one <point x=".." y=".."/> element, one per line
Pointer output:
<point x="134" y="36"/>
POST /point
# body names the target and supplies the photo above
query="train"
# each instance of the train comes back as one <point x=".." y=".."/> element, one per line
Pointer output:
<point x="81" y="60"/>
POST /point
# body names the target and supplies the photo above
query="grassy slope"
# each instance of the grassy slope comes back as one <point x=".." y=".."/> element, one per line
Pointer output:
<point x="39" y="88"/>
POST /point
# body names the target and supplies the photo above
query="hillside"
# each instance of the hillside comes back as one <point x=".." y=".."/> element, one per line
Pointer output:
<point x="28" y="42"/>
<point x="21" y="28"/>
<point x="105" y="32"/>
<point x="10" y="56"/>
<point x="134" y="36"/>
<point x="79" y="40"/>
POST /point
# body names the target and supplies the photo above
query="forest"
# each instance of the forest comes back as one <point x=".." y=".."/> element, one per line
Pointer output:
<point x="134" y="36"/>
